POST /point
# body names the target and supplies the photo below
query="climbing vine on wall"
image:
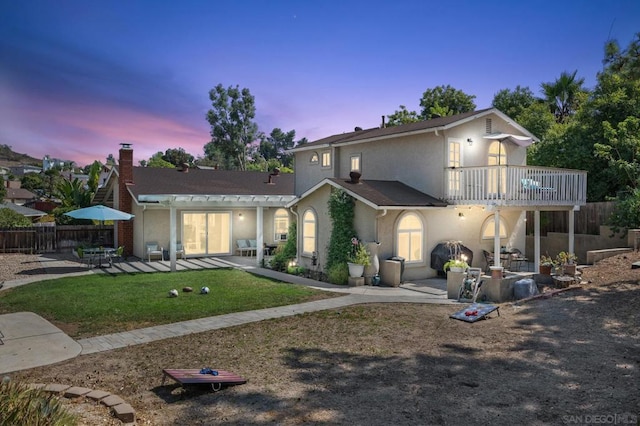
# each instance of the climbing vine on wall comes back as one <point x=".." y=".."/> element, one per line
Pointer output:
<point x="341" y="213"/>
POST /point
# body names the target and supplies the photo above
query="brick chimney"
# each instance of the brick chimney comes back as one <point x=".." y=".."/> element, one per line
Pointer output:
<point x="125" y="171"/>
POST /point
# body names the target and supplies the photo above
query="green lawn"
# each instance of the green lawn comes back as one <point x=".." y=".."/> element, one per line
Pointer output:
<point x="100" y="304"/>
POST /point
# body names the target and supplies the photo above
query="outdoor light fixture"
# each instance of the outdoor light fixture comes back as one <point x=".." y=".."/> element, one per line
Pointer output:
<point x="240" y="216"/>
<point x="461" y="216"/>
<point x="314" y="259"/>
<point x="470" y="141"/>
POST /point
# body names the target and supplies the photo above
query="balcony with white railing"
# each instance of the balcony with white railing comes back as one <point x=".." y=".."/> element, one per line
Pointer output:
<point x="515" y="186"/>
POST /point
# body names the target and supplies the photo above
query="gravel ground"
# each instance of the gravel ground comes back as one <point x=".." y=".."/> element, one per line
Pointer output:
<point x="17" y="266"/>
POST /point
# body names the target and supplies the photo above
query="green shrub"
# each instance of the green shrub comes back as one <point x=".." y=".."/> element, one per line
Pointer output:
<point x="286" y="253"/>
<point x="22" y="405"/>
<point x="338" y="274"/>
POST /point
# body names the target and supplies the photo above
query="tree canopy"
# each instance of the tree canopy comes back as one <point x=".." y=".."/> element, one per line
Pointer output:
<point x="232" y="126"/>
<point x="445" y="100"/>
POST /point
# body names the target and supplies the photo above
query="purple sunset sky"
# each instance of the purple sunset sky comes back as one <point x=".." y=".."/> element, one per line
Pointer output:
<point x="79" y="77"/>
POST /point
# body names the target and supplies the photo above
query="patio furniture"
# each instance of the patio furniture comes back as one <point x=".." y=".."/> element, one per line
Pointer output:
<point x="488" y="259"/>
<point x="180" y="250"/>
<point x="118" y="254"/>
<point x="216" y="378"/>
<point x="247" y="246"/>
<point x="153" y="249"/>
<point x="517" y="258"/>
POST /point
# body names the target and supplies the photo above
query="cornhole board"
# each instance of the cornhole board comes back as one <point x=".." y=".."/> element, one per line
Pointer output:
<point x="479" y="310"/>
<point x="195" y="377"/>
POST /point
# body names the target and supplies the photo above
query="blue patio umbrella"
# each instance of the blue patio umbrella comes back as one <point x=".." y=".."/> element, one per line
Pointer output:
<point x="100" y="213"/>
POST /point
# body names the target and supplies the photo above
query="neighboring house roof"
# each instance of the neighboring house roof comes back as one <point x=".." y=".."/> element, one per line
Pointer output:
<point x="25" y="211"/>
<point x="440" y="123"/>
<point x="380" y="194"/>
<point x="19" y="194"/>
<point x="158" y="184"/>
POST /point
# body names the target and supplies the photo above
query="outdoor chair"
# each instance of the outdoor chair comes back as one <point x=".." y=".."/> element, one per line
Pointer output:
<point x="153" y="249"/>
<point x="118" y="254"/>
<point x="517" y="258"/>
<point x="180" y="250"/>
<point x="488" y="258"/>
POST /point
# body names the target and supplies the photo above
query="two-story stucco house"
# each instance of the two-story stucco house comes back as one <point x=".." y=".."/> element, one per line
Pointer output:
<point x="461" y="177"/>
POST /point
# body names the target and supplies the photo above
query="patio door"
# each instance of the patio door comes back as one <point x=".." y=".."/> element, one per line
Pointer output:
<point x="206" y="233"/>
<point x="497" y="176"/>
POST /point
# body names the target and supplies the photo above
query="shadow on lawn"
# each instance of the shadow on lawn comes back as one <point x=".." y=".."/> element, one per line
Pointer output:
<point x="567" y="356"/>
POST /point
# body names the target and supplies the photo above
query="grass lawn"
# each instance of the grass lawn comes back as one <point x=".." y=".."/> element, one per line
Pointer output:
<point x="92" y="305"/>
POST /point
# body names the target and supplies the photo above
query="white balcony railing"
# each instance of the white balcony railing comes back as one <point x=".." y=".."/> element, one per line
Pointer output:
<point x="516" y="186"/>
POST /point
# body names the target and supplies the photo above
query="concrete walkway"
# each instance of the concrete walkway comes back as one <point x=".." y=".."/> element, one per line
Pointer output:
<point x="31" y="342"/>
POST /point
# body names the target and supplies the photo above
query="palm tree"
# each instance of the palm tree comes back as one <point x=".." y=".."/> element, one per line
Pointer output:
<point x="562" y="95"/>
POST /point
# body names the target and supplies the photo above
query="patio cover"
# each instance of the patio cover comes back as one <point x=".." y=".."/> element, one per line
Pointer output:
<point x="517" y="139"/>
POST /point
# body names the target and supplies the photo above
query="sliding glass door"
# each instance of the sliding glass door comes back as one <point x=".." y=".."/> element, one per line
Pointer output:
<point x="206" y="233"/>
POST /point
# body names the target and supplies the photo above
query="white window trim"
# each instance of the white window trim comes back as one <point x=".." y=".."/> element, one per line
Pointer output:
<point x="315" y="236"/>
<point x="489" y="223"/>
<point x="277" y="235"/>
<point x="422" y="242"/>
<point x="322" y="157"/>
<point x="359" y="158"/>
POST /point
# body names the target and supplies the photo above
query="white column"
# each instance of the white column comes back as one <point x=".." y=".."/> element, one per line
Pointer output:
<point x="572" y="231"/>
<point x="172" y="237"/>
<point x="260" y="235"/>
<point x="536" y="240"/>
<point x="496" y="238"/>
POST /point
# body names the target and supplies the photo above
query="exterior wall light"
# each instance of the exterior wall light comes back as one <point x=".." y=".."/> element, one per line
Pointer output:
<point x="470" y="141"/>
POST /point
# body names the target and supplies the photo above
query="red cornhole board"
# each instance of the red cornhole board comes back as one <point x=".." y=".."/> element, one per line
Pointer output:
<point x="193" y="376"/>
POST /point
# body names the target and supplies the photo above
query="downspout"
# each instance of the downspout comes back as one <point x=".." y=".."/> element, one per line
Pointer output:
<point x="379" y="216"/>
<point x="295" y="213"/>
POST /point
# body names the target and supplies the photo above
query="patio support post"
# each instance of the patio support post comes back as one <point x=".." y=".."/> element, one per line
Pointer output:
<point x="536" y="240"/>
<point x="496" y="238"/>
<point x="260" y="236"/>
<point x="572" y="235"/>
<point x="172" y="237"/>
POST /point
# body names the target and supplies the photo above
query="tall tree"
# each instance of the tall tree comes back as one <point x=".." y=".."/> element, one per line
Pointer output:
<point x="157" y="160"/>
<point x="513" y="102"/>
<point x="177" y="157"/>
<point x="402" y="116"/>
<point x="232" y="126"/>
<point x="276" y="144"/>
<point x="564" y="94"/>
<point x="445" y="100"/>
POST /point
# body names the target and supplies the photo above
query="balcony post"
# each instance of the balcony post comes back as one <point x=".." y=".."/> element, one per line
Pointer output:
<point x="496" y="238"/>
<point x="536" y="240"/>
<point x="572" y="220"/>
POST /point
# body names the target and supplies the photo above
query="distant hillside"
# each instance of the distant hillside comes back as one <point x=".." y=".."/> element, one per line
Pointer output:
<point x="10" y="158"/>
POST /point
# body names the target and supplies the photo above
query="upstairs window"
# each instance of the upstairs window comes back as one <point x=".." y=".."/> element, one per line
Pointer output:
<point x="326" y="159"/>
<point x="314" y="158"/>
<point x="355" y="163"/>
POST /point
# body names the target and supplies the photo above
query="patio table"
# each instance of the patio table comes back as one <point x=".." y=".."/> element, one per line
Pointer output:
<point x="99" y="253"/>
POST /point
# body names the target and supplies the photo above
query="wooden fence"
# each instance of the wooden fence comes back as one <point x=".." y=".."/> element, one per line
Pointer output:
<point x="49" y="238"/>
<point x="587" y="220"/>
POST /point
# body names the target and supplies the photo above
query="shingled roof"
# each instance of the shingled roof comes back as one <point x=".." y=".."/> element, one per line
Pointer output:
<point x="376" y="132"/>
<point x="164" y="181"/>
<point x="383" y="193"/>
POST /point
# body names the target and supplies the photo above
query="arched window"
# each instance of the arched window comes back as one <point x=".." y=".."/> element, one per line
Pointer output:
<point x="410" y="237"/>
<point x="309" y="228"/>
<point x="280" y="225"/>
<point x="314" y="158"/>
<point x="489" y="227"/>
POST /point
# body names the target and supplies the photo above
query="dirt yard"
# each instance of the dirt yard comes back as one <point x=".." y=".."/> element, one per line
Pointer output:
<point x="570" y="359"/>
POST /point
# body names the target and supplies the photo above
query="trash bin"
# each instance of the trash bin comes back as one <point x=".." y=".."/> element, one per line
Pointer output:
<point x="401" y="260"/>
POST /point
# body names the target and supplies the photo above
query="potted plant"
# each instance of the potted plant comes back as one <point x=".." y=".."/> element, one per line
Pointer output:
<point x="546" y="264"/>
<point x="358" y="258"/>
<point x="456" y="265"/>
<point x="568" y="262"/>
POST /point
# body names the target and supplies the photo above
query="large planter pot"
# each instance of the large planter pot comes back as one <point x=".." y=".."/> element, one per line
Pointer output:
<point x="355" y="269"/>
<point x="545" y="269"/>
